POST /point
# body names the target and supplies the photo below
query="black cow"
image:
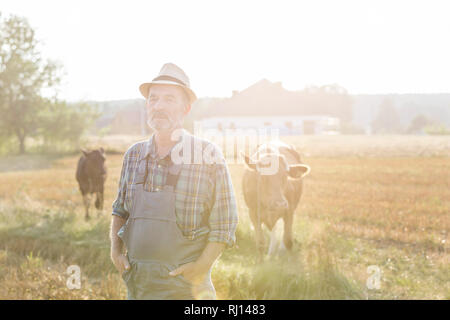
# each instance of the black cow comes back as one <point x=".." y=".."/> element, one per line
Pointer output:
<point x="91" y="177"/>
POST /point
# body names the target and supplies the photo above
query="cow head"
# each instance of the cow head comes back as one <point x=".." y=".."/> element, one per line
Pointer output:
<point x="95" y="163"/>
<point x="272" y="173"/>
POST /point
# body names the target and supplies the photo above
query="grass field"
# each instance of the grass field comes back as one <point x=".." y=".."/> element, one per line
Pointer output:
<point x="369" y="201"/>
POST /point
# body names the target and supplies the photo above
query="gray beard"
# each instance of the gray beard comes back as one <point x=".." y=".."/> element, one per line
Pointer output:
<point x="163" y="124"/>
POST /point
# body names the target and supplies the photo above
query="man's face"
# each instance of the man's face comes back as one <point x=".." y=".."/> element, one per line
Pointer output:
<point x="167" y="106"/>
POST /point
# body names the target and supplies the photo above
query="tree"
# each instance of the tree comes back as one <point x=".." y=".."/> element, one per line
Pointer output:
<point x="62" y="124"/>
<point x="331" y="99"/>
<point x="418" y="124"/>
<point x="23" y="76"/>
<point x="387" y="120"/>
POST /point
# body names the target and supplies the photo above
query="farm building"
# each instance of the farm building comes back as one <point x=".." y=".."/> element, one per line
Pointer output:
<point x="267" y="105"/>
<point x="286" y="125"/>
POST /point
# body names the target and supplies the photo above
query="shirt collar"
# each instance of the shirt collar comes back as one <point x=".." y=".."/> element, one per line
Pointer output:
<point x="150" y="146"/>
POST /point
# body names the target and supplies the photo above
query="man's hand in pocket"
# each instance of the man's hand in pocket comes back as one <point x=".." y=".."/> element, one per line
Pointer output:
<point x="120" y="262"/>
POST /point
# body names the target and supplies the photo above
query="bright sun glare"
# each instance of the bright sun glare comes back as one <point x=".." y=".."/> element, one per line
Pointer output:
<point x="108" y="48"/>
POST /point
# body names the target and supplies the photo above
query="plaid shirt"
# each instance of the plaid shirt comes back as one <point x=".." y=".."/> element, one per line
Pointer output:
<point x="204" y="191"/>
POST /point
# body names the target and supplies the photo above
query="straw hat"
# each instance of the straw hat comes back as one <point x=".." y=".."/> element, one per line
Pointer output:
<point x="173" y="75"/>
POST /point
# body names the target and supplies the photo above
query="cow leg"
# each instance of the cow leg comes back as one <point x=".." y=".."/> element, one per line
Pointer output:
<point x="282" y="246"/>
<point x="274" y="238"/>
<point x="86" y="201"/>
<point x="273" y="241"/>
<point x="287" y="236"/>
<point x="99" y="203"/>
<point x="102" y="200"/>
<point x="258" y="234"/>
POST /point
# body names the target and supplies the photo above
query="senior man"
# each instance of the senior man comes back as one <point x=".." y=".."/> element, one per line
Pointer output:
<point x="173" y="214"/>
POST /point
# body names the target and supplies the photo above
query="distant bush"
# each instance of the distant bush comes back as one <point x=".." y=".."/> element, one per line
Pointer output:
<point x="437" y="130"/>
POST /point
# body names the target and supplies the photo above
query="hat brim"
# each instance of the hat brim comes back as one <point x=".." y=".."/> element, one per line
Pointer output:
<point x="145" y="87"/>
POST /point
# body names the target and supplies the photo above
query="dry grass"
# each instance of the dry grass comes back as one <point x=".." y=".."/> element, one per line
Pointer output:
<point x="39" y="279"/>
<point x="374" y="208"/>
<point x="403" y="200"/>
<point x="372" y="146"/>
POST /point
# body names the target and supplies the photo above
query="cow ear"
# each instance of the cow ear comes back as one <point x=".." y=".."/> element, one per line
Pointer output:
<point x="84" y="152"/>
<point x="251" y="166"/>
<point x="298" y="171"/>
<point x="102" y="150"/>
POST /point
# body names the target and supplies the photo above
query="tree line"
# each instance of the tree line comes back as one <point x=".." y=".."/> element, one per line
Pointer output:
<point x="26" y="113"/>
<point x="387" y="121"/>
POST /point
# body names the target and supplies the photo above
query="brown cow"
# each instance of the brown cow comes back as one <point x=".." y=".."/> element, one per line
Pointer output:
<point x="91" y="176"/>
<point x="272" y="186"/>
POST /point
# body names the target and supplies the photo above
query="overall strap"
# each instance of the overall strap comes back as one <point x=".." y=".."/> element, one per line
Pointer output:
<point x="174" y="169"/>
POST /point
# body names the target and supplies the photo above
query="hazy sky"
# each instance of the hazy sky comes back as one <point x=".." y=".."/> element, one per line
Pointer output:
<point x="109" y="47"/>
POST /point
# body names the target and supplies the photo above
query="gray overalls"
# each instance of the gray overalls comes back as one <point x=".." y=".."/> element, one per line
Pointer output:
<point x="155" y="246"/>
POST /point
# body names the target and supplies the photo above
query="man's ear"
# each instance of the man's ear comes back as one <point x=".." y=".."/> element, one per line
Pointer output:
<point x="187" y="109"/>
<point x="297" y="171"/>
<point x="251" y="166"/>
